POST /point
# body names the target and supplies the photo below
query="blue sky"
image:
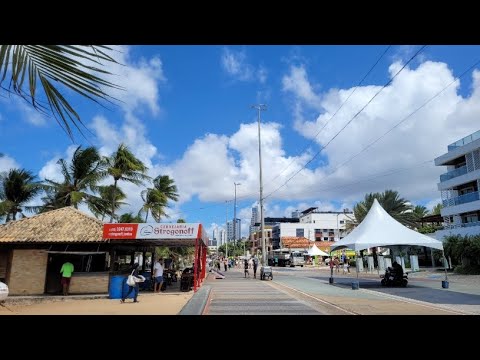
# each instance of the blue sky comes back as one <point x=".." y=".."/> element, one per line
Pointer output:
<point x="186" y="113"/>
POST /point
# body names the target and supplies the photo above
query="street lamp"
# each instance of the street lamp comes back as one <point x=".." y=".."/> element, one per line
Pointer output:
<point x="235" y="215"/>
<point x="226" y="229"/>
<point x="261" y="107"/>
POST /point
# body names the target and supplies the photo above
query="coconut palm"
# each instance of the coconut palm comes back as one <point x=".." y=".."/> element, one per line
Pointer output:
<point x="156" y="199"/>
<point x="28" y="68"/>
<point x="123" y="165"/>
<point x="129" y="218"/>
<point x="392" y="203"/>
<point x="166" y="186"/>
<point x="103" y="206"/>
<point x="154" y="202"/>
<point x="17" y="187"/>
<point x="80" y="179"/>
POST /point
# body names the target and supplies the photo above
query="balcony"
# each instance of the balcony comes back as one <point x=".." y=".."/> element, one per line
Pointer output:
<point x="462" y="199"/>
<point x="462" y="225"/>
<point x="453" y="173"/>
<point x="466" y="140"/>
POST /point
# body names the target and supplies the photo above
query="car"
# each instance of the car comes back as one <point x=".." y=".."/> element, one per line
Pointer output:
<point x="3" y="291"/>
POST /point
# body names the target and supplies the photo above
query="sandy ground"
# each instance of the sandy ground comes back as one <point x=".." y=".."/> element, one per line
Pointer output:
<point x="149" y="304"/>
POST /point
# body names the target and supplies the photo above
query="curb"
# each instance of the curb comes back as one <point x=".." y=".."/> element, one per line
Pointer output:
<point x="197" y="302"/>
<point x="27" y="300"/>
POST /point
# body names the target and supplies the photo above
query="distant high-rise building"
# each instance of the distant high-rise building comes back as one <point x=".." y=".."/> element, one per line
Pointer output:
<point x="230" y="236"/>
<point x="223" y="237"/>
<point x="295" y="214"/>
<point x="255" y="220"/>
<point x="215" y="237"/>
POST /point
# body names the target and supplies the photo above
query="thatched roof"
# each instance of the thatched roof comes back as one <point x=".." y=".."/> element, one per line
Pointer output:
<point x="62" y="225"/>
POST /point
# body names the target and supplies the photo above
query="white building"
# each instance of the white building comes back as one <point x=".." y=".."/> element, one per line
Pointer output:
<point x="315" y="226"/>
<point x="223" y="237"/>
<point x="459" y="187"/>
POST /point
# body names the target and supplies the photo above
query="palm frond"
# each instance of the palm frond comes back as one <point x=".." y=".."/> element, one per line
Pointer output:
<point x="76" y="67"/>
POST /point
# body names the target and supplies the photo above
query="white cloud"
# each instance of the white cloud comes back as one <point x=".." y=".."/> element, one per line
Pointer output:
<point x="446" y="119"/>
<point x="213" y="162"/>
<point x="7" y="163"/>
<point x="297" y="82"/>
<point x="235" y="64"/>
<point x="140" y="79"/>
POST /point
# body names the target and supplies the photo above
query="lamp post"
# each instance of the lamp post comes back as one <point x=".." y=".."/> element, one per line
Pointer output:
<point x="226" y="229"/>
<point x="235" y="215"/>
<point x="259" y="108"/>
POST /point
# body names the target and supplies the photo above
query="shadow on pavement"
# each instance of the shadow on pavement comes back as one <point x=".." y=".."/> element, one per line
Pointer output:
<point x="412" y="291"/>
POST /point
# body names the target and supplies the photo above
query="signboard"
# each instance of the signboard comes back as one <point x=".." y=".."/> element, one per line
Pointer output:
<point x="151" y="231"/>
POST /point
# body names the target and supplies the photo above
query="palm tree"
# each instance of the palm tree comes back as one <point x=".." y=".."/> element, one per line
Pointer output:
<point x="79" y="177"/>
<point x="155" y="202"/>
<point x="156" y="199"/>
<point x="17" y="187"/>
<point x="75" y="67"/>
<point x="123" y="165"/>
<point x="437" y="209"/>
<point x="129" y="218"/>
<point x="397" y="207"/>
<point x="419" y="212"/>
<point x="166" y="186"/>
<point x="103" y="206"/>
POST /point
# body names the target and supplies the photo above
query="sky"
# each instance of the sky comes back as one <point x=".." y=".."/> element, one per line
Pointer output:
<point x="327" y="137"/>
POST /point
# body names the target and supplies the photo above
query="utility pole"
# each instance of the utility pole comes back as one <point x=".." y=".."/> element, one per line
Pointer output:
<point x="226" y="229"/>
<point x="259" y="108"/>
<point x="235" y="215"/>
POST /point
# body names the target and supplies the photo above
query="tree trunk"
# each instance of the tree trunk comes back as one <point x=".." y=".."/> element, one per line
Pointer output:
<point x="146" y="216"/>
<point x="113" y="200"/>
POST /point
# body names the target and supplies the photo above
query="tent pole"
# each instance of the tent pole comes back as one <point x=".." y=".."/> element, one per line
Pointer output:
<point x="445" y="264"/>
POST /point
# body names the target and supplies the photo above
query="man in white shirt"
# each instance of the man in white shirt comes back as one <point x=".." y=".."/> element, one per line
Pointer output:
<point x="158" y="274"/>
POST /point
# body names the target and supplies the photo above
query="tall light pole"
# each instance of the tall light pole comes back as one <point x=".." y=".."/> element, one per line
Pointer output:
<point x="226" y="229"/>
<point x="235" y="215"/>
<point x="261" y="107"/>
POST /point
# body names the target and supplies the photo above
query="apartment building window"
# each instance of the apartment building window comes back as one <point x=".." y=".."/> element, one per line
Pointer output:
<point x="469" y="218"/>
<point x="300" y="232"/>
<point x="325" y="239"/>
<point x="466" y="190"/>
<point x="318" y="234"/>
<point x="342" y="222"/>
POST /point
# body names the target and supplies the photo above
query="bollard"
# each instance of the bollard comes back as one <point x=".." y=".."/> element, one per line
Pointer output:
<point x="445" y="284"/>
<point x="355" y="285"/>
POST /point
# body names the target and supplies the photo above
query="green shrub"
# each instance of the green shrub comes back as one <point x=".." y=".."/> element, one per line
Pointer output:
<point x="467" y="270"/>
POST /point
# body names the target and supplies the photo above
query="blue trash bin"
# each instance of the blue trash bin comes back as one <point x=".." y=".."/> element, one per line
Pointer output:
<point x="118" y="287"/>
<point x="147" y="284"/>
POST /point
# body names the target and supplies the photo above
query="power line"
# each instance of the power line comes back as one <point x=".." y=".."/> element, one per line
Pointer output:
<point x="348" y="123"/>
<point x="404" y="119"/>
<point x="335" y="113"/>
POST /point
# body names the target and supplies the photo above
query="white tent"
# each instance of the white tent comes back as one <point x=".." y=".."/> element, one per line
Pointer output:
<point x="314" y="250"/>
<point x="380" y="229"/>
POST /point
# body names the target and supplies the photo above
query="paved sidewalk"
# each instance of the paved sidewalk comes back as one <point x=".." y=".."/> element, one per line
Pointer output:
<point x="237" y="295"/>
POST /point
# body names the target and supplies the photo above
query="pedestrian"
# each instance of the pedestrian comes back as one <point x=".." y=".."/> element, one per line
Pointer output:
<point x="66" y="271"/>
<point x="134" y="286"/>
<point x="225" y="264"/>
<point x="158" y="274"/>
<point x="255" y="265"/>
<point x="245" y="267"/>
